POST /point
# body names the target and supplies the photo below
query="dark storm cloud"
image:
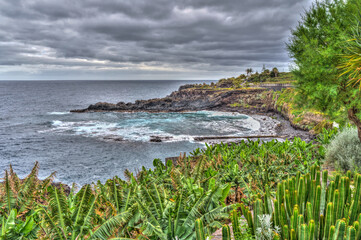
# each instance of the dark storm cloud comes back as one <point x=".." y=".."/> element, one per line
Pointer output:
<point x="125" y="39"/>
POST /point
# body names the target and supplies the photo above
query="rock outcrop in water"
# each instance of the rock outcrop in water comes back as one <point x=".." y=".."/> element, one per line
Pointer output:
<point x="188" y="98"/>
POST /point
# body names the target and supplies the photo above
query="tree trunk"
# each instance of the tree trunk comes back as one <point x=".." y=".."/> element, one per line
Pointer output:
<point x="352" y="115"/>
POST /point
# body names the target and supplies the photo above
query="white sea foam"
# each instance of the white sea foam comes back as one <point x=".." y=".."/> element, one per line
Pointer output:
<point x="252" y="124"/>
<point x="170" y="128"/>
<point x="57" y="123"/>
<point x="111" y="131"/>
<point x="242" y="120"/>
<point x="58" y="113"/>
<point x="223" y="114"/>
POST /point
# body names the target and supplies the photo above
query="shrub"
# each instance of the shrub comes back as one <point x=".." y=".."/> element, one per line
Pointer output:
<point x="344" y="151"/>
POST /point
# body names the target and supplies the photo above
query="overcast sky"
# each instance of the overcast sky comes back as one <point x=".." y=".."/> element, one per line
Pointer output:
<point x="143" y="39"/>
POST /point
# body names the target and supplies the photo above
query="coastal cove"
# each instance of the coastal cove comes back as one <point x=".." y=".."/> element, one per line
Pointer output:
<point x="93" y="146"/>
<point x="88" y="147"/>
<point x="29" y="120"/>
<point x="259" y="103"/>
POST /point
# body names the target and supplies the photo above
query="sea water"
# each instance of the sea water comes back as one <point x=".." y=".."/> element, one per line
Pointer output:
<point x="36" y="125"/>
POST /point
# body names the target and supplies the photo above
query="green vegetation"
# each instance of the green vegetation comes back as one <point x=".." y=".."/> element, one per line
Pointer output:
<point x="267" y="76"/>
<point x="306" y="207"/>
<point x="159" y="203"/>
<point x="302" y="115"/>
<point x="344" y="151"/>
<point x="253" y="164"/>
<point x="319" y="47"/>
<point x="266" y="190"/>
<point x="272" y="77"/>
<point x="351" y="69"/>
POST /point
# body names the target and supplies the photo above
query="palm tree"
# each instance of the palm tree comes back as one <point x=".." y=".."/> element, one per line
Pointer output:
<point x="249" y="71"/>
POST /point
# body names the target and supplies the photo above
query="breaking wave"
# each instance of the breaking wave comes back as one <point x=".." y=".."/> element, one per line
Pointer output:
<point x="169" y="127"/>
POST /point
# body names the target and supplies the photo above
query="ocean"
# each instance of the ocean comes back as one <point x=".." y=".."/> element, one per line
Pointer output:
<point x="36" y="125"/>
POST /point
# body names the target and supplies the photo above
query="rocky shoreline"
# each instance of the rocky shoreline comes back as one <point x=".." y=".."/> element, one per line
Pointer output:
<point x="187" y="99"/>
<point x="258" y="103"/>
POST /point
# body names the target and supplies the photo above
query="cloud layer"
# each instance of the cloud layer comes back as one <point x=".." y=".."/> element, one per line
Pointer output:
<point x="142" y="39"/>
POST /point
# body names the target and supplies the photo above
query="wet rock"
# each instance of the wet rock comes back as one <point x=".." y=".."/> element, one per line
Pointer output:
<point x="279" y="127"/>
<point x="156" y="139"/>
<point x="159" y="138"/>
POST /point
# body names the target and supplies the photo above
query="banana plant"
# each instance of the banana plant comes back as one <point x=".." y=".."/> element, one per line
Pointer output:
<point x="235" y="178"/>
<point x="167" y="218"/>
<point x="64" y="219"/>
<point x="23" y="194"/>
<point x="14" y="228"/>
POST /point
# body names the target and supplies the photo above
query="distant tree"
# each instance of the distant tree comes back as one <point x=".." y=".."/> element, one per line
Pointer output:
<point x="242" y="76"/>
<point x="274" y="72"/>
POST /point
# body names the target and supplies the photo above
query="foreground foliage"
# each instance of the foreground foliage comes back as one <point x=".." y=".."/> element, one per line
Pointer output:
<point x="251" y="165"/>
<point x="148" y="206"/>
<point x="159" y="203"/>
<point x="306" y="207"/>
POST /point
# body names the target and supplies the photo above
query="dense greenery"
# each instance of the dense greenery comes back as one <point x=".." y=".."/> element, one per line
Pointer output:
<point x="302" y="115"/>
<point x="192" y="199"/>
<point x="159" y="203"/>
<point x="253" y="164"/>
<point x="317" y="46"/>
